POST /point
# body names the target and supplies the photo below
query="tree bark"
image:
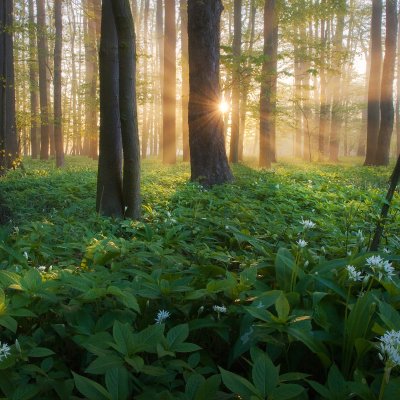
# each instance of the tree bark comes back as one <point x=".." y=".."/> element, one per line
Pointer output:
<point x="237" y="43"/>
<point x="208" y="161"/>
<point x="185" y="80"/>
<point x="109" y="181"/>
<point x="386" y="106"/>
<point x="128" y="107"/>
<point x="44" y="102"/>
<point x="169" y="87"/>
<point x="373" y="116"/>
<point x="8" y="134"/>
<point x="33" y="84"/>
<point x="268" y="85"/>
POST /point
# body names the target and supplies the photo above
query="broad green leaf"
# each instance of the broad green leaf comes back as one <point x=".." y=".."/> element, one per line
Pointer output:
<point x="239" y="385"/>
<point x="284" y="267"/>
<point x="123" y="338"/>
<point x="25" y="392"/>
<point x="90" y="389"/>
<point x="282" y="307"/>
<point x="208" y="389"/>
<point x="40" y="352"/>
<point x="31" y="281"/>
<point x="147" y="339"/>
<point x="265" y="375"/>
<point x="9" y="323"/>
<point x="286" y="392"/>
<point x="117" y="383"/>
<point x="104" y="363"/>
<point x="177" y="334"/>
<point x="193" y="384"/>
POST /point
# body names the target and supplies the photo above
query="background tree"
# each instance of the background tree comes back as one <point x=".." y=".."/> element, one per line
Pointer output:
<point x="169" y="86"/>
<point x="208" y="160"/>
<point x="8" y="136"/>
<point x="373" y="116"/>
<point x="386" y="104"/>
<point x="268" y="84"/>
<point x="58" y="134"/>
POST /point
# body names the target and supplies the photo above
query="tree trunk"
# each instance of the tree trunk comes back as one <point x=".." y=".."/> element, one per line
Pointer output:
<point x="387" y="109"/>
<point x="58" y="133"/>
<point x="128" y="107"/>
<point x="237" y="42"/>
<point x="160" y="59"/>
<point x="146" y="116"/>
<point x="8" y="134"/>
<point x="268" y="85"/>
<point x="209" y="164"/>
<point x="109" y="181"/>
<point x="373" y="118"/>
<point x="169" y="87"/>
<point x="398" y="90"/>
<point x="44" y="102"/>
<point x="33" y="83"/>
<point x="185" y="80"/>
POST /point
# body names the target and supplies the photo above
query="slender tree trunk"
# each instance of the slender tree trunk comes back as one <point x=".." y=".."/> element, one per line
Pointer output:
<point x="169" y="87"/>
<point x="387" y="109"/>
<point x="109" y="182"/>
<point x="208" y="161"/>
<point x="146" y="116"/>
<point x="237" y="43"/>
<point x="33" y="83"/>
<point x="42" y="57"/>
<point x="398" y="90"/>
<point x="160" y="60"/>
<point x="373" y="118"/>
<point x="58" y="133"/>
<point x="128" y="107"/>
<point x="185" y="80"/>
<point x="268" y="85"/>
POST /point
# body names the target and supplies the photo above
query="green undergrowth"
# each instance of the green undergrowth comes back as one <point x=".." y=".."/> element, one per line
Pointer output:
<point x="256" y="304"/>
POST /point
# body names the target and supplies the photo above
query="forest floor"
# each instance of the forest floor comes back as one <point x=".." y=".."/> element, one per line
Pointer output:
<point x="251" y="275"/>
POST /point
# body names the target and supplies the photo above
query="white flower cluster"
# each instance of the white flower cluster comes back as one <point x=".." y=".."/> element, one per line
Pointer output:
<point x="302" y="243"/>
<point x="219" y="309"/>
<point x="162" y="316"/>
<point x="389" y="348"/>
<point x="5" y="351"/>
<point x="307" y="224"/>
<point x="354" y="275"/>
<point x="375" y="266"/>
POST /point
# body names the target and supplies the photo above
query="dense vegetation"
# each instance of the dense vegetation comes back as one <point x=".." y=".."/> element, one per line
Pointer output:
<point x="213" y="294"/>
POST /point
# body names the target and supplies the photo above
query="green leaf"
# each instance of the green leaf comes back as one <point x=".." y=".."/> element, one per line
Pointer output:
<point x="31" y="281"/>
<point x="123" y="338"/>
<point x="282" y="307"/>
<point x="265" y="375"/>
<point x="186" y="347"/>
<point x="208" y="390"/>
<point x="40" y="352"/>
<point x="177" y="335"/>
<point x="25" y="392"/>
<point x="193" y="384"/>
<point x="147" y="339"/>
<point x="104" y="363"/>
<point x="117" y="383"/>
<point x="9" y="323"/>
<point x="90" y="389"/>
<point x="239" y="385"/>
<point x="284" y="267"/>
<point x="286" y="392"/>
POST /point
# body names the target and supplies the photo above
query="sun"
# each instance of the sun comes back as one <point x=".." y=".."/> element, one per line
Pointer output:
<point x="223" y="106"/>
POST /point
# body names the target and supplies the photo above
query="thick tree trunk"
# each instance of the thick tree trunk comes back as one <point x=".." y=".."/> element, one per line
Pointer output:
<point x="8" y="134"/>
<point x="373" y="117"/>
<point x="44" y="101"/>
<point x="128" y="107"/>
<point x="185" y="80"/>
<point x="169" y="87"/>
<point x="33" y="84"/>
<point x="109" y="181"/>
<point x="237" y="43"/>
<point x="209" y="164"/>
<point x="268" y="86"/>
<point x="387" y="109"/>
<point x="58" y="132"/>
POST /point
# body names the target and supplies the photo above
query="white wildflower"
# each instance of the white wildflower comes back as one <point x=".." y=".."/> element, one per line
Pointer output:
<point x="302" y="243"/>
<point x="306" y="263"/>
<point x="16" y="230"/>
<point x="26" y="255"/>
<point x="17" y="269"/>
<point x="360" y="235"/>
<point x="307" y="224"/>
<point x="5" y="351"/>
<point x="349" y="253"/>
<point x="381" y="267"/>
<point x="219" y="309"/>
<point x="389" y="348"/>
<point x="386" y="250"/>
<point x="162" y="316"/>
<point x="277" y="186"/>
<point x="41" y="268"/>
<point x="354" y="275"/>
